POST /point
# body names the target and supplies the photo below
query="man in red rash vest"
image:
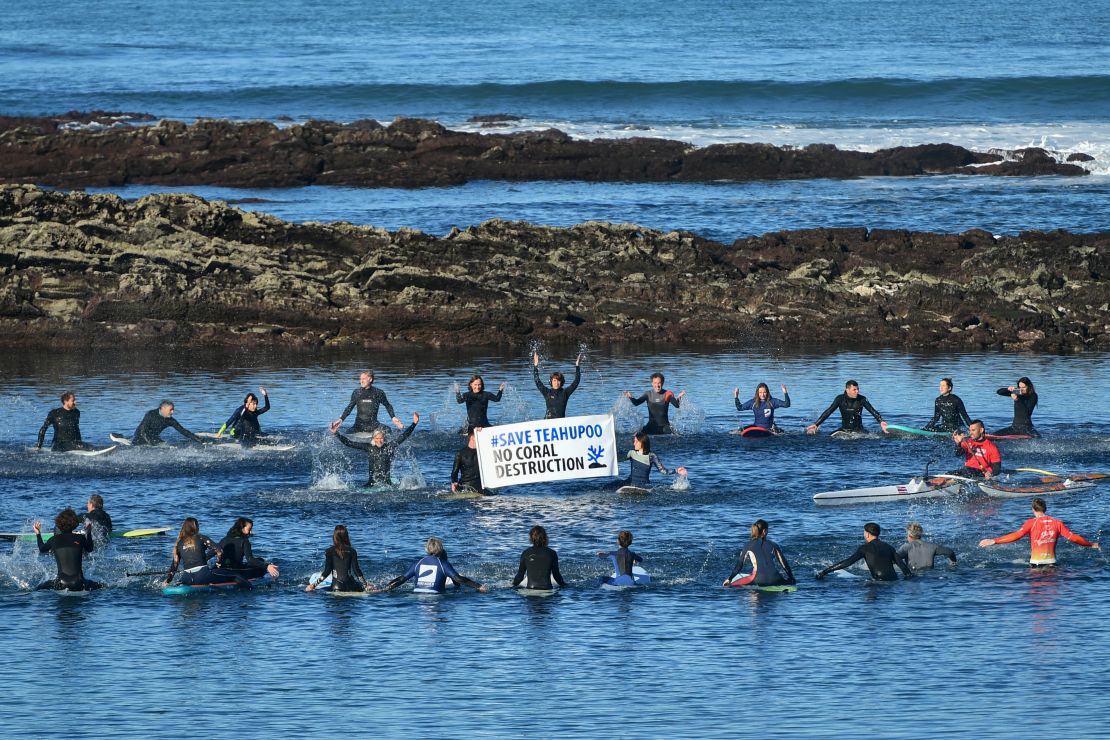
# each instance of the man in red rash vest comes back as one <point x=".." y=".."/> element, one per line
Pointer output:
<point x="1043" y="532"/>
<point x="981" y="456"/>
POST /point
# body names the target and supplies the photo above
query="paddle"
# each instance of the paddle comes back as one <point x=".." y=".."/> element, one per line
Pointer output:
<point x="147" y="573"/>
<point x="1038" y="470"/>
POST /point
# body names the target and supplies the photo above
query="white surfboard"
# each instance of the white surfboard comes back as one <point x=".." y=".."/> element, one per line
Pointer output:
<point x="119" y="439"/>
<point x="916" y="488"/>
<point x="640" y="577"/>
<point x="91" y="453"/>
<point x="633" y="490"/>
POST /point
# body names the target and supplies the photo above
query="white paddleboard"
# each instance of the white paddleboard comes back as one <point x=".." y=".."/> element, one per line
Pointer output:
<point x="119" y="439"/>
<point x="262" y="447"/>
<point x="916" y="488"/>
<point x="633" y="490"/>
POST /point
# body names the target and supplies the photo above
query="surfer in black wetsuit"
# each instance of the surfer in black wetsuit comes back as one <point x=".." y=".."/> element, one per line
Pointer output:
<point x="881" y="557"/>
<point x="766" y="560"/>
<point x="949" y="414"/>
<point x="539" y="563"/>
<point x="102" y="523"/>
<point x="558" y="394"/>
<point x="851" y="405"/>
<point x="465" y="474"/>
<point x="380" y="453"/>
<point x="243" y="424"/>
<point x="236" y="556"/>
<point x="67" y="426"/>
<point x="156" y="421"/>
<point x="69" y="549"/>
<point x="191" y="553"/>
<point x="658" y="401"/>
<point x="367" y="399"/>
<point x="477" y="400"/>
<point x="341" y="563"/>
<point x="1025" y="400"/>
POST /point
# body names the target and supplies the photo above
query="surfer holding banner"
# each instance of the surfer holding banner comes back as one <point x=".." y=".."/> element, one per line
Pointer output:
<point x="558" y="394"/>
<point x="465" y="473"/>
<point x="658" y="401"/>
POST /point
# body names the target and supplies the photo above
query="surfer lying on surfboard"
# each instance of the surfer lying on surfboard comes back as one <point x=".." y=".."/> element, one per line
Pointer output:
<point x="766" y="560"/>
<point x="763" y="406"/>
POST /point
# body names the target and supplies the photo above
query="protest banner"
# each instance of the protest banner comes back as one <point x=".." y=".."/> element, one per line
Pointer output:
<point x="547" y="450"/>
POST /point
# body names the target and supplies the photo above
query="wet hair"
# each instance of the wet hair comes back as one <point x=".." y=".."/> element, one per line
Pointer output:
<point x="759" y="529"/>
<point x="915" y="531"/>
<point x="624" y="538"/>
<point x="250" y="397"/>
<point x="97" y="501"/>
<point x="658" y="375"/>
<point x="872" y="529"/>
<point x="341" y="539"/>
<point x="1028" y="385"/>
<point x="1040" y="505"/>
<point x="481" y="383"/>
<point x="951" y="385"/>
<point x="851" y="384"/>
<point x="538" y="536"/>
<point x="166" y="402"/>
<point x="755" y="396"/>
<point x="434" y="546"/>
<point x="645" y="442"/>
<point x="237" y="528"/>
<point x="67" y="520"/>
<point x="190" y="528"/>
<point x="558" y="376"/>
<point x="367" y="373"/>
<point x="68" y="395"/>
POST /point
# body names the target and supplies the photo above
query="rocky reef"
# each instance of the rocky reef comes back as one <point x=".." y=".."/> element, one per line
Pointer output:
<point x="79" y="270"/>
<point x="103" y="149"/>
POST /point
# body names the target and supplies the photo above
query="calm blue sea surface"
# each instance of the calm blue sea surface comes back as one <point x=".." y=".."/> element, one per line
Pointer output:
<point x="839" y="657"/>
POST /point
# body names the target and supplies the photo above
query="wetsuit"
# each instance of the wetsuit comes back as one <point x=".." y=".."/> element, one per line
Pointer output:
<point x="641" y="466"/>
<point x="764" y="411"/>
<point x="979" y="457"/>
<point x="766" y="558"/>
<point x="1023" y="414"/>
<point x="101" y="521"/>
<point x="238" y="560"/>
<point x="477" y="406"/>
<point x="920" y="554"/>
<point x="68" y="548"/>
<point x="153" y="424"/>
<point x="192" y="561"/>
<point x="345" y="572"/>
<point x="881" y="559"/>
<point x="466" y="471"/>
<point x="659" y="421"/>
<point x="622" y="560"/>
<point x="556" y="398"/>
<point x="367" y="400"/>
<point x="949" y="414"/>
<point x="243" y="424"/>
<point x="67" y="430"/>
<point x="541" y="565"/>
<point x="431" y="574"/>
<point x="1043" y="532"/>
<point x="851" y="412"/>
<point x="380" y="459"/>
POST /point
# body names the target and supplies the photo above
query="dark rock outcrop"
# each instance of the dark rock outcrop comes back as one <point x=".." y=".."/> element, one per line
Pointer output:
<point x="417" y="153"/>
<point x="81" y="270"/>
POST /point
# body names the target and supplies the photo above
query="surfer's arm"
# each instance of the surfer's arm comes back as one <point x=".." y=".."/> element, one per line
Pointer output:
<point x="388" y="406"/>
<point x="577" y="379"/>
<point x="828" y="412"/>
<point x="785" y="566"/>
<point x="1015" y="536"/>
<point x="495" y="397"/>
<point x="521" y="569"/>
<point x="654" y="460"/>
<point x="946" y="552"/>
<point x="45" y="425"/>
<point x="739" y="565"/>
<point x="555" y="569"/>
<point x="405" y="434"/>
<point x="745" y="406"/>
<point x="536" y="379"/>
<point x="638" y="400"/>
<point x="350" y="406"/>
<point x="961" y="413"/>
<point x="265" y="408"/>
<point x="783" y="404"/>
<point x="847" y="562"/>
<point x="867" y="405"/>
<point x="1076" y="538"/>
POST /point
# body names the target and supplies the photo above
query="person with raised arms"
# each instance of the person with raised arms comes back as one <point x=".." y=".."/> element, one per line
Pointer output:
<point x="981" y="456"/>
<point x="341" y="564"/>
<point x="243" y="424"/>
<point x="879" y="556"/>
<point x="466" y="475"/>
<point x="921" y="554"/>
<point x="558" y="394"/>
<point x="763" y="405"/>
<point x="949" y="414"/>
<point x="237" y="558"/>
<point x="66" y="421"/>
<point x="1025" y="400"/>
<point x="69" y="550"/>
<point x="1043" y="532"/>
<point x="539" y="564"/>
<point x="769" y="566"/>
<point x="641" y="460"/>
<point x="156" y="421"/>
<point x="367" y="400"/>
<point x="477" y="400"/>
<point x="432" y="571"/>
<point x="851" y="406"/>
<point x="379" y="452"/>
<point x="191" y="553"/>
<point x="659" y="402"/>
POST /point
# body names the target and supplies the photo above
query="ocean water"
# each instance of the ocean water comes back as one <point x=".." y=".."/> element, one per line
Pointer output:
<point x="678" y="659"/>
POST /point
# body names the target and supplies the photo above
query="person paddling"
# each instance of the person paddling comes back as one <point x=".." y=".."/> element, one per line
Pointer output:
<point x="156" y="421"/>
<point x="981" y="456"/>
<point x="879" y="556"/>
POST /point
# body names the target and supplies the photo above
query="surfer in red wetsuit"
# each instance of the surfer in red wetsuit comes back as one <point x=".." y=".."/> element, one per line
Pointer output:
<point x="981" y="456"/>
<point x="1043" y="532"/>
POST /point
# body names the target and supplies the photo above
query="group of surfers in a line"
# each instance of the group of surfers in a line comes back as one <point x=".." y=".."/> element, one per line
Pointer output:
<point x="236" y="564"/>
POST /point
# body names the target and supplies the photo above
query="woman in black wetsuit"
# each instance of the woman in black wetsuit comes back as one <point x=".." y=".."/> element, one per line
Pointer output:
<point x="237" y="558"/>
<point x="477" y="400"/>
<point x="69" y="549"/>
<point x="341" y="563"/>
<point x="1025" y="400"/>
<point x="243" y="424"/>
<point x="768" y="564"/>
<point x="191" y="553"/>
<point x="539" y="564"/>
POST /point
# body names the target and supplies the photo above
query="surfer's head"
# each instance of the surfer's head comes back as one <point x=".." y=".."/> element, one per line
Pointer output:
<point x="759" y="529"/>
<point x="1024" y="386"/>
<point x="537" y="535"/>
<point x="476" y="384"/>
<point x="241" y="528"/>
<point x="914" y="531"/>
<point x="1040" y="505"/>
<point x="69" y="400"/>
<point x="624" y="538"/>
<point x="851" y="388"/>
<point x="434" y="546"/>
<point x="641" y="443"/>
<point x="657" y="381"/>
<point x="66" y="521"/>
<point x="945" y="386"/>
<point x="871" y="531"/>
<point x="341" y="539"/>
<point x="557" y="380"/>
